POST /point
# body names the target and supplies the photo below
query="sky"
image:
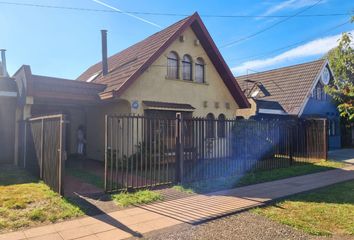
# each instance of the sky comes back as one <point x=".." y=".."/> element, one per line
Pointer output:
<point x="64" y="43"/>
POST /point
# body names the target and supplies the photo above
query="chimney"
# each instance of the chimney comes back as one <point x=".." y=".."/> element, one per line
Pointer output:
<point x="3" y="64"/>
<point x="104" y="52"/>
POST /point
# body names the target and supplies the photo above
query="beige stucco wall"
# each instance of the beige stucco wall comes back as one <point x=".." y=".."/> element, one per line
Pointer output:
<point x="153" y="85"/>
<point x="248" y="112"/>
<point x="96" y="126"/>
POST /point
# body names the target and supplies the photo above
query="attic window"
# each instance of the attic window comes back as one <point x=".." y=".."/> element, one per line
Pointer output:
<point x="93" y="77"/>
<point x="255" y="93"/>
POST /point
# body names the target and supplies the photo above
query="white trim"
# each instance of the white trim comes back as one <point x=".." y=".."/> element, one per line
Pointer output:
<point x="8" y="94"/>
<point x="308" y="96"/>
<point x="271" y="111"/>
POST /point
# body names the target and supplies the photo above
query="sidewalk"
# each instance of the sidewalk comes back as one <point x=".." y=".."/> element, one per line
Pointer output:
<point x="345" y="155"/>
<point x="195" y="209"/>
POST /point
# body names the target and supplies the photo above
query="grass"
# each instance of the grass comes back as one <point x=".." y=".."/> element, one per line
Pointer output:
<point x="327" y="211"/>
<point x="86" y="176"/>
<point x="184" y="189"/>
<point x="292" y="171"/>
<point x="25" y="202"/>
<point x="259" y="176"/>
<point x="125" y="199"/>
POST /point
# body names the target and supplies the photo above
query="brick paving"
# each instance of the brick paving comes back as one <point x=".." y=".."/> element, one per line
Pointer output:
<point x="191" y="210"/>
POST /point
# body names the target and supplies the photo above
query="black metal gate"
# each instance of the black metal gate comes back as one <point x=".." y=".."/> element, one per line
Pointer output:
<point x="144" y="151"/>
<point x="44" y="149"/>
<point x="140" y="152"/>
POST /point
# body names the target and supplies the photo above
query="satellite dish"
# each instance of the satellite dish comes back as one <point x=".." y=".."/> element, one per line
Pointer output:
<point x="326" y="76"/>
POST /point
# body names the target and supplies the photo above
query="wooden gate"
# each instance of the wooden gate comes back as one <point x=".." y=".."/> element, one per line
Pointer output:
<point x="44" y="149"/>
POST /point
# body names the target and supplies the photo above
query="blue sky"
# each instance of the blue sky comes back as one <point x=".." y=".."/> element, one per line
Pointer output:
<point x="63" y="43"/>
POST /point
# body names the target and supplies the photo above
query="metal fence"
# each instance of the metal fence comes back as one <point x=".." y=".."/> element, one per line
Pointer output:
<point x="146" y="152"/>
<point x="44" y="149"/>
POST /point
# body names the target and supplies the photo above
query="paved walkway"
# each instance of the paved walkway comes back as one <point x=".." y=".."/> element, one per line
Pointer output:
<point x="195" y="209"/>
<point x="345" y="155"/>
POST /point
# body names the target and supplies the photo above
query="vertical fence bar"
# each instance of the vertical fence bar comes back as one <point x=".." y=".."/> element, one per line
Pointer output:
<point x="106" y="153"/>
<point x="42" y="149"/>
<point x="25" y="142"/>
<point x="325" y="139"/>
<point x="179" y="147"/>
<point x="62" y="154"/>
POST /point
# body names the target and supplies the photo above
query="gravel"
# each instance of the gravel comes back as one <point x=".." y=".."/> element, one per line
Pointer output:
<point x="239" y="226"/>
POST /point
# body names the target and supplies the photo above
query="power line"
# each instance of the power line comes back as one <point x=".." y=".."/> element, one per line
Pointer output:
<point x="270" y="27"/>
<point x="169" y="14"/>
<point x="291" y="45"/>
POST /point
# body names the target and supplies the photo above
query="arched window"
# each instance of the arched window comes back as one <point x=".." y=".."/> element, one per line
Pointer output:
<point x="200" y="70"/>
<point x="210" y="126"/>
<point x="172" y="65"/>
<point x="187" y="67"/>
<point x="221" y="126"/>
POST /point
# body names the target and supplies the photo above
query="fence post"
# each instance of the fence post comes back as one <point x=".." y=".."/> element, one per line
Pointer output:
<point x="25" y="144"/>
<point x="62" y="154"/>
<point x="179" y="148"/>
<point x="325" y="139"/>
<point x="42" y="150"/>
<point x="106" y="152"/>
<point x="291" y="143"/>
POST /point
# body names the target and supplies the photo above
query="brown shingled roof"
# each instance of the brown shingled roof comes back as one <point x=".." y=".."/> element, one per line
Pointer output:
<point x="289" y="86"/>
<point x="126" y="66"/>
<point x="58" y="89"/>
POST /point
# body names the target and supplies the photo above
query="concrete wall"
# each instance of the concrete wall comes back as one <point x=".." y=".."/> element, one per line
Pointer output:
<point x="154" y="86"/>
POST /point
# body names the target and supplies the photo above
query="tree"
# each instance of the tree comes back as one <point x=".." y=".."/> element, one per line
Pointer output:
<point x="341" y="61"/>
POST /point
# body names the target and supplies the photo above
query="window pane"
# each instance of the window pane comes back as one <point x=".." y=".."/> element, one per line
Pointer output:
<point x="221" y="126"/>
<point x="172" y="65"/>
<point x="187" y="68"/>
<point x="172" y="68"/>
<point x="199" y="73"/>
<point x="210" y="126"/>
<point x="199" y="70"/>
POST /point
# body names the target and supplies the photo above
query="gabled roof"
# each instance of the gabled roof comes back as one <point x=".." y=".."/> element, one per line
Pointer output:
<point x="126" y="66"/>
<point x="289" y="86"/>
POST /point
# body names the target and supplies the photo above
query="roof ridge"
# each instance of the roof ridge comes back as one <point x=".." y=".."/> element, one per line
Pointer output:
<point x="282" y="68"/>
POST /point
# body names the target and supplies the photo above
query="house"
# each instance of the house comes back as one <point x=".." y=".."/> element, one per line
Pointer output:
<point x="178" y="69"/>
<point x="293" y="92"/>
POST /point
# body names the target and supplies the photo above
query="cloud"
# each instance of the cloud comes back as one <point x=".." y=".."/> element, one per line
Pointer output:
<point x="316" y="47"/>
<point x="290" y="4"/>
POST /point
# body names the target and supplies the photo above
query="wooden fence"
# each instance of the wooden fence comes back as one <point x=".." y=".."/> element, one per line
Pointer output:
<point x="44" y="149"/>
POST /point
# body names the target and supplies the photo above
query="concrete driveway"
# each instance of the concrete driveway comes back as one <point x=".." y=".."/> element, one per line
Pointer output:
<point x="345" y="155"/>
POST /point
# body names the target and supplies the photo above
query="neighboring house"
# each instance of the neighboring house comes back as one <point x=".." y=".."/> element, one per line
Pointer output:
<point x="293" y="91"/>
<point x="178" y="69"/>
